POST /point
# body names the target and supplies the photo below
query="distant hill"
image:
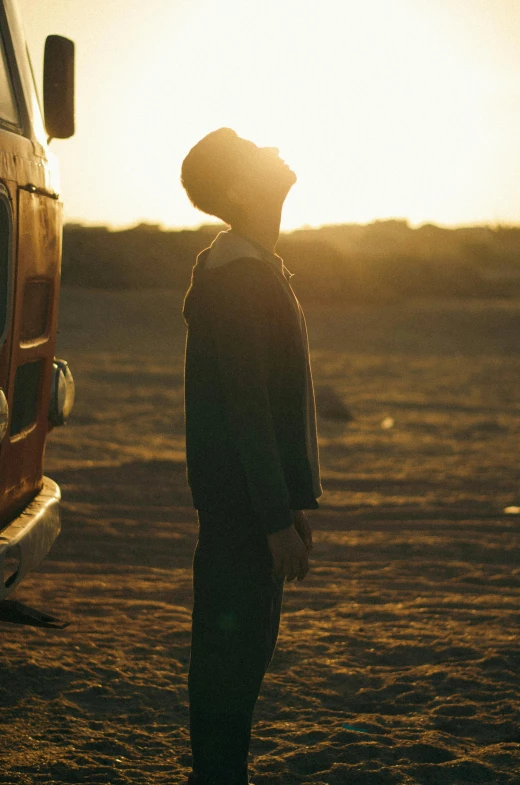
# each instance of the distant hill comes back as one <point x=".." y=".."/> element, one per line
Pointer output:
<point x="377" y="262"/>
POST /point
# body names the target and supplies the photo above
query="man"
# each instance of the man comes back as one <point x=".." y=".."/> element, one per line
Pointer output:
<point x="251" y="445"/>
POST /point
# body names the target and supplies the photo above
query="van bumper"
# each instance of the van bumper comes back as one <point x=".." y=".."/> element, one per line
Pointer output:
<point x="25" y="542"/>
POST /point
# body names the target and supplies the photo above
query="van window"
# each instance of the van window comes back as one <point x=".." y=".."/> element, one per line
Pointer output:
<point x="8" y="110"/>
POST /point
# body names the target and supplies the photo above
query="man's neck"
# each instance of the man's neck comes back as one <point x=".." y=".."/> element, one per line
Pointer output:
<point x="264" y="230"/>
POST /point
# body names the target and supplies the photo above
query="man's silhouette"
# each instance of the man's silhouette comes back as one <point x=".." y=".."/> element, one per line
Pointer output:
<point x="251" y="445"/>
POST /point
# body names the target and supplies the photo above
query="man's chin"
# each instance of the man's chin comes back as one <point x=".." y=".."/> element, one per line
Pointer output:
<point x="290" y="172"/>
<point x="282" y="183"/>
<point x="289" y="176"/>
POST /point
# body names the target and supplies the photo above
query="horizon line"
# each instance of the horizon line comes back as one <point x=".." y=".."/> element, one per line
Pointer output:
<point x="159" y="226"/>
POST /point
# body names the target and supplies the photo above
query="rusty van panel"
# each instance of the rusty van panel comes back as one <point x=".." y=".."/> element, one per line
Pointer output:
<point x="8" y="214"/>
<point x="29" y="385"/>
<point x="19" y="165"/>
<point x="7" y="255"/>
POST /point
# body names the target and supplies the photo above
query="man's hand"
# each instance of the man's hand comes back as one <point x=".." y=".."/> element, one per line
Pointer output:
<point x="289" y="554"/>
<point x="303" y="527"/>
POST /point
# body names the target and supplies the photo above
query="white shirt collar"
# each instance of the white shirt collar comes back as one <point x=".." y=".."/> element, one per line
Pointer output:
<point x="229" y="245"/>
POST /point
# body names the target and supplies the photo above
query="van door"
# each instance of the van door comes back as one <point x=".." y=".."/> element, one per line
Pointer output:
<point x="6" y="268"/>
<point x="9" y="123"/>
<point x="10" y="134"/>
<point x="30" y="253"/>
<point x="33" y="340"/>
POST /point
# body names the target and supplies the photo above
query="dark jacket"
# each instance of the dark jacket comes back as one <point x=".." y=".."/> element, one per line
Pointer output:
<point x="245" y="387"/>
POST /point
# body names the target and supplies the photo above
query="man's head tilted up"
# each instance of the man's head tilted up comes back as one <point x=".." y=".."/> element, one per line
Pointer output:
<point x="242" y="184"/>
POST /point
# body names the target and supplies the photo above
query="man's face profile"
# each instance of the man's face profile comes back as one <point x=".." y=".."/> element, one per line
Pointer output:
<point x="262" y="170"/>
<point x="232" y="178"/>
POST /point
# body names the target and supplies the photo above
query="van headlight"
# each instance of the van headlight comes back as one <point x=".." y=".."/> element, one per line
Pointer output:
<point x="62" y="393"/>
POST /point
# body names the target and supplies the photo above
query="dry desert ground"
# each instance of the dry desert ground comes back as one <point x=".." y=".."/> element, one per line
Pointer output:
<point x="398" y="655"/>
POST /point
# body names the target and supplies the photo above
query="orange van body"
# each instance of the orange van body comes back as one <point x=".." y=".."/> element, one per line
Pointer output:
<point x="30" y="265"/>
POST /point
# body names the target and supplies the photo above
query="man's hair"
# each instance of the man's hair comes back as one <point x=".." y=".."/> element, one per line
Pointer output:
<point x="208" y="170"/>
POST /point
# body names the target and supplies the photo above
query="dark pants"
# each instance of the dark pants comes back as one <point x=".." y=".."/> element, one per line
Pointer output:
<point x="235" y="620"/>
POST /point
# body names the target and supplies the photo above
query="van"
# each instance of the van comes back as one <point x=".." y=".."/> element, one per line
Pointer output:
<point x="36" y="389"/>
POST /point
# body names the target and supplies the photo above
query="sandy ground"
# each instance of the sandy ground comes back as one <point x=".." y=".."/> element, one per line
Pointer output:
<point x="398" y="656"/>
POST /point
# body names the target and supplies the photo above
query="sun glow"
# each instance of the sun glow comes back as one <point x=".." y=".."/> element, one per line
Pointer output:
<point x="383" y="109"/>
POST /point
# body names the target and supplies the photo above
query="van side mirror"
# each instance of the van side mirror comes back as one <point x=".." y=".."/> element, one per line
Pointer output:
<point x="58" y="87"/>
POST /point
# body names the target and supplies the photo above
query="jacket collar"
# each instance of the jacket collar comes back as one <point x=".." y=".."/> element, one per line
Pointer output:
<point x="231" y="245"/>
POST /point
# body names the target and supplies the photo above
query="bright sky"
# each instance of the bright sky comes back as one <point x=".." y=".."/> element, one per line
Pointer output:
<point x="384" y="108"/>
